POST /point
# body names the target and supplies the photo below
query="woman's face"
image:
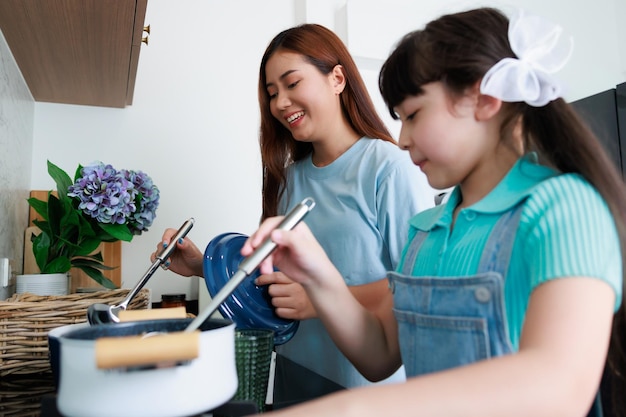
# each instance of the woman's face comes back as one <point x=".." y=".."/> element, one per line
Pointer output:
<point x="303" y="99"/>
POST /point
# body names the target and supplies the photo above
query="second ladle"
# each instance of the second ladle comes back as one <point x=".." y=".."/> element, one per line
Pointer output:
<point x="104" y="313"/>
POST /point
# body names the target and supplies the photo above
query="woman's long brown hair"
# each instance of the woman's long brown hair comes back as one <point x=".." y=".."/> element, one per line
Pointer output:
<point x="323" y="49"/>
<point x="458" y="49"/>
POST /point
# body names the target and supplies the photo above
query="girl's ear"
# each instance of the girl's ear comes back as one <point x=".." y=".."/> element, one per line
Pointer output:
<point x="338" y="79"/>
<point x="487" y="107"/>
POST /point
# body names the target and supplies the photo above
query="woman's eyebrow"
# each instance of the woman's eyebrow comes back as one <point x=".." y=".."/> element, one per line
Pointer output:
<point x="283" y="75"/>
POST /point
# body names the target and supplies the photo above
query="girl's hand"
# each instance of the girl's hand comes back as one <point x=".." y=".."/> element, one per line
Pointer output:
<point x="289" y="298"/>
<point x="298" y="255"/>
<point x="186" y="260"/>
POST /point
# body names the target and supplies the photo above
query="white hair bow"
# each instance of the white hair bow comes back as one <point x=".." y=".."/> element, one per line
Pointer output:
<point x="541" y="51"/>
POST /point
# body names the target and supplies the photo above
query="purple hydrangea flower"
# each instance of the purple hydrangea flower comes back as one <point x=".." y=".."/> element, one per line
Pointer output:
<point x="147" y="201"/>
<point x="104" y="194"/>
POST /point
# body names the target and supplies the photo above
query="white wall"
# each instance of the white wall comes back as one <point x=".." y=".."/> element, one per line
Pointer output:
<point x="597" y="64"/>
<point x="194" y="121"/>
<point x="192" y="126"/>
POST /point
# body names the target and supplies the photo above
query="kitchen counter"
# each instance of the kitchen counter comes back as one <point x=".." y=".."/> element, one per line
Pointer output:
<point x="35" y="395"/>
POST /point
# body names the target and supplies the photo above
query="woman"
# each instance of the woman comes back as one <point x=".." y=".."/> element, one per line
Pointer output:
<point x="322" y="138"/>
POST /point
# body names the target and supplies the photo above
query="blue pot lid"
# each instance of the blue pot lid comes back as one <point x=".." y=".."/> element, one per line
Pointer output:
<point x="249" y="306"/>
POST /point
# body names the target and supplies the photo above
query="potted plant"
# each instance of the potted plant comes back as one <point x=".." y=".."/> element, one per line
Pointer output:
<point x="101" y="204"/>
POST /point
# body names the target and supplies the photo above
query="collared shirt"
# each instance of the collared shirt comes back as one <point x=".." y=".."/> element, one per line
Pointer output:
<point x="566" y="229"/>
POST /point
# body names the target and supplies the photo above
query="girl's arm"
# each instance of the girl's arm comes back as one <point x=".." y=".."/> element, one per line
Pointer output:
<point x="555" y="373"/>
<point x="369" y="340"/>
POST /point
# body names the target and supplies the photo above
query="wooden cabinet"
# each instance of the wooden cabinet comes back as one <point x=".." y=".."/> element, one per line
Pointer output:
<point x="76" y="51"/>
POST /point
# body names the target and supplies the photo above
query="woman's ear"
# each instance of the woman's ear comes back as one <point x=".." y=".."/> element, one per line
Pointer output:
<point x="338" y="79"/>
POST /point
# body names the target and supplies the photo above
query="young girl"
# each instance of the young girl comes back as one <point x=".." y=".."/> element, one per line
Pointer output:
<point x="503" y="302"/>
<point x="321" y="137"/>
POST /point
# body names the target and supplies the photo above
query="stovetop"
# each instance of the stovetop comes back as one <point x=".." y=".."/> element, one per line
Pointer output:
<point x="35" y="395"/>
<point x="230" y="409"/>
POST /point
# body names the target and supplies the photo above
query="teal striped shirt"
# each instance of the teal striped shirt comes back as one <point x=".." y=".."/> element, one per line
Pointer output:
<point x="566" y="229"/>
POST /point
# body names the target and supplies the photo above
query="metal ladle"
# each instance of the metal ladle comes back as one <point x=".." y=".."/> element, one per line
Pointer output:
<point x="251" y="263"/>
<point x="104" y="313"/>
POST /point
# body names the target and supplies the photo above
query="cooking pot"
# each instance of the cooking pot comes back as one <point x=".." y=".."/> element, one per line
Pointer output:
<point x="54" y="335"/>
<point x="54" y="347"/>
<point x="147" y="368"/>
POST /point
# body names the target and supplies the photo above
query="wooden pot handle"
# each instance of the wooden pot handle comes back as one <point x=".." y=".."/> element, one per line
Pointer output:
<point x="152" y="314"/>
<point x="129" y="351"/>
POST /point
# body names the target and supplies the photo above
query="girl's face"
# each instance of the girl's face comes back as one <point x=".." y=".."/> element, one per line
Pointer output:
<point x="443" y="136"/>
<point x="303" y="99"/>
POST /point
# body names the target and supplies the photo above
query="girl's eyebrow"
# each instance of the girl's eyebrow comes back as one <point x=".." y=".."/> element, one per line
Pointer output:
<point x="283" y="75"/>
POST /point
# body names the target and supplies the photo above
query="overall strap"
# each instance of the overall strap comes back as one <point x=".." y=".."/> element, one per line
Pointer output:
<point x="412" y="250"/>
<point x="497" y="252"/>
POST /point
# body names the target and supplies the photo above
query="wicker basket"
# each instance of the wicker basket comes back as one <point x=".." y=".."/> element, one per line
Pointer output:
<point x="23" y="396"/>
<point x="25" y="320"/>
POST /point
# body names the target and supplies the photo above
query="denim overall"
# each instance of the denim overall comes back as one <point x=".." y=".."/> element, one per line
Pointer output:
<point x="449" y="322"/>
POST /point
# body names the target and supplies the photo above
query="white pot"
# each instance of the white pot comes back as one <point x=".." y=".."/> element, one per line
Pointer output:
<point x="54" y="347"/>
<point x="193" y="387"/>
<point x="42" y="284"/>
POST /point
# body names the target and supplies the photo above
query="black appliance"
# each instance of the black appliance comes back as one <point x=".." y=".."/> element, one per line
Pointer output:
<point x="605" y="113"/>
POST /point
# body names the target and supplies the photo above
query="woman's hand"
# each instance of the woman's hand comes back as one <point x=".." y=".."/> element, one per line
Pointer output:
<point x="289" y="298"/>
<point x="186" y="260"/>
<point x="292" y="302"/>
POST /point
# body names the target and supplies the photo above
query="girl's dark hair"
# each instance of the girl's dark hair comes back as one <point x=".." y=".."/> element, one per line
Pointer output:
<point x="457" y="50"/>
<point x="323" y="49"/>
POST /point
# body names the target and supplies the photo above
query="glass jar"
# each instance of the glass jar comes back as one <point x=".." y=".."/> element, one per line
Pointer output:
<point x="173" y="300"/>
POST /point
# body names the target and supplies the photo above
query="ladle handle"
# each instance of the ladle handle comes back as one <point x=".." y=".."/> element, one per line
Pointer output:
<point x="161" y="257"/>
<point x="252" y="262"/>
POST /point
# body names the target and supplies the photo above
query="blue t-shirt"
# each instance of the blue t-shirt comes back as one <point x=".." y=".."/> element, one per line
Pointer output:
<point x="364" y="201"/>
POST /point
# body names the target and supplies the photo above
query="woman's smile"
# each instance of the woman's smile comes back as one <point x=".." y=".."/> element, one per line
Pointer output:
<point x="295" y="117"/>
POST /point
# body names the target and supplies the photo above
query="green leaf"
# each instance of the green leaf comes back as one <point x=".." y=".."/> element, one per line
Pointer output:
<point x="61" y="264"/>
<point x="92" y="262"/>
<point x="97" y="276"/>
<point x="62" y="180"/>
<point x="41" y="207"/>
<point x="97" y="257"/>
<point x="85" y="229"/>
<point x="41" y="243"/>
<point x="56" y="213"/>
<point x="79" y="172"/>
<point x="86" y="246"/>
<point x="118" y="231"/>
<point x="43" y="226"/>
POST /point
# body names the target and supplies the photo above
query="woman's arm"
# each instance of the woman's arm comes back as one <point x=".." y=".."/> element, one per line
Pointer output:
<point x="186" y="260"/>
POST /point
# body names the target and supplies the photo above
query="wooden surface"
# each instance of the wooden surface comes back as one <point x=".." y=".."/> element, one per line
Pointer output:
<point x="111" y="252"/>
<point x="76" y="51"/>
